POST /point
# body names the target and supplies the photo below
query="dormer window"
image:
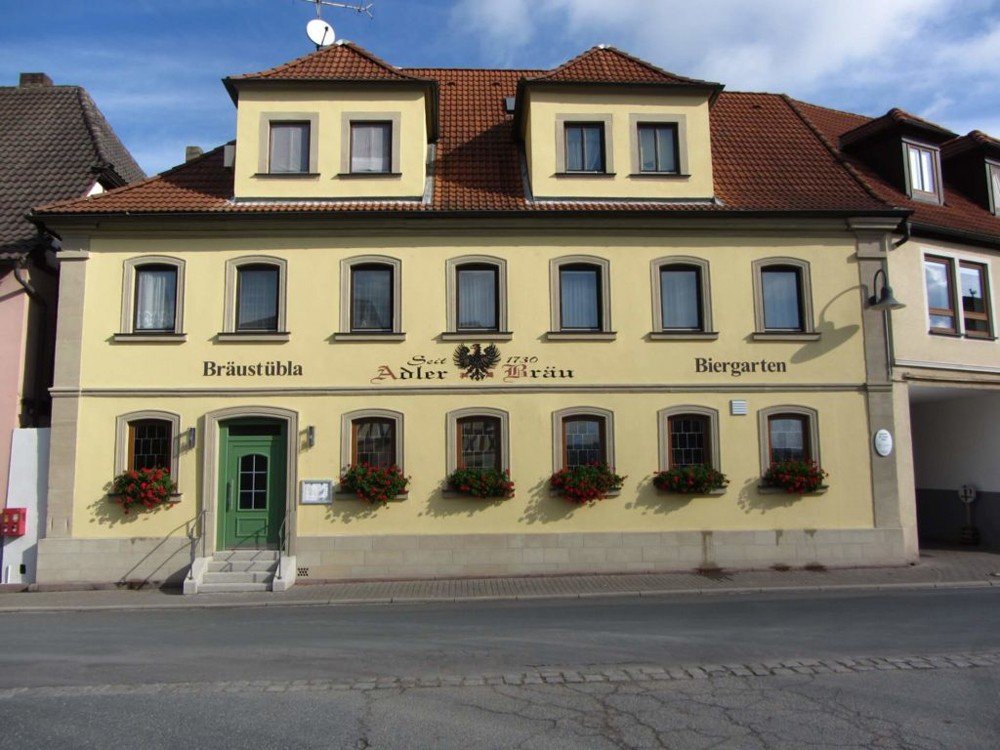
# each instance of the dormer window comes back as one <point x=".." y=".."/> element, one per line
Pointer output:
<point x="289" y="148"/>
<point x="658" y="148"/>
<point x="585" y="147"/>
<point x="993" y="171"/>
<point x="371" y="147"/>
<point x="923" y="172"/>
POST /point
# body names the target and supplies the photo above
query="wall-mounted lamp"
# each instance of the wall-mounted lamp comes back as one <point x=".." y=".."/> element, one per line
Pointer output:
<point x="190" y="436"/>
<point x="311" y="436"/>
<point x="885" y="300"/>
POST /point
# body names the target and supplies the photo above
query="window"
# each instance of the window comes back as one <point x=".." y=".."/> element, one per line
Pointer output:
<point x="782" y="298"/>
<point x="680" y="298"/>
<point x="255" y="299"/>
<point x="582" y="436"/>
<point x="584" y="142"/>
<point x="371" y="297"/>
<point x="788" y="433"/>
<point x="975" y="299"/>
<point x="689" y="436"/>
<point x="152" y="299"/>
<point x="658" y="148"/>
<point x="993" y="172"/>
<point x="579" y="298"/>
<point x="477" y="295"/>
<point x="478" y="439"/>
<point x="148" y="440"/>
<point x="972" y="283"/>
<point x="373" y="442"/>
<point x="371" y="147"/>
<point x="288" y="150"/>
<point x="257" y="291"/>
<point x="373" y="437"/>
<point x="370" y="291"/>
<point x="923" y="172"/>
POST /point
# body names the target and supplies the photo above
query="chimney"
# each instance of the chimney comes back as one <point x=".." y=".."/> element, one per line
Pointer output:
<point x="192" y="152"/>
<point x="34" y="79"/>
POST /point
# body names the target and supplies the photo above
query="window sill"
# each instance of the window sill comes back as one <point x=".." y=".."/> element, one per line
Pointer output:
<point x="286" y="175"/>
<point x="476" y="336"/>
<point x="584" y="174"/>
<point x="149" y="338"/>
<point x="363" y="175"/>
<point x="610" y="493"/>
<point x="946" y="334"/>
<point x="710" y="493"/>
<point x="767" y="489"/>
<point x="175" y="497"/>
<point x="683" y="335"/>
<point x="369" y="336"/>
<point x="661" y="175"/>
<point x="341" y="495"/>
<point x="932" y="198"/>
<point x="785" y="336"/>
<point x="250" y="336"/>
<point x="456" y="495"/>
<point x="581" y="335"/>
<point x="983" y="337"/>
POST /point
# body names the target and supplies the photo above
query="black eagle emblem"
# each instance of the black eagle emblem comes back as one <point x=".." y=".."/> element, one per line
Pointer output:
<point x="476" y="363"/>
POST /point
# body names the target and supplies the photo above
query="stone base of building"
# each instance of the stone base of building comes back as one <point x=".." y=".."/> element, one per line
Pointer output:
<point x="121" y="561"/>
<point x="447" y="556"/>
<point x="166" y="561"/>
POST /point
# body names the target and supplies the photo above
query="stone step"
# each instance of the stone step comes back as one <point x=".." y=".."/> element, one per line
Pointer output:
<point x="264" y="577"/>
<point x="232" y="588"/>
<point x="246" y="555"/>
<point x="242" y="566"/>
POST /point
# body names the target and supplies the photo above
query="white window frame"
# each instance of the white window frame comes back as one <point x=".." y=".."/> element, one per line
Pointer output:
<point x="229" y="332"/>
<point x="663" y="427"/>
<point x="130" y="276"/>
<point x="919" y="194"/>
<point x="659" y="333"/>
<point x="993" y="188"/>
<point x="452" y="333"/>
<point x="808" y="331"/>
<point x="346" y="270"/>
<point x="451" y="434"/>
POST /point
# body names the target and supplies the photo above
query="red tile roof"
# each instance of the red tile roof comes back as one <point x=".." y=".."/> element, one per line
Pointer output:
<point x="892" y="119"/>
<point x="605" y="64"/>
<point x="957" y="213"/>
<point x="770" y="154"/>
<point x="343" y="61"/>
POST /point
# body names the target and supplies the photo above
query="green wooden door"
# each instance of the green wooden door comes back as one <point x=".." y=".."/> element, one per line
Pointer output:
<point x="251" y="485"/>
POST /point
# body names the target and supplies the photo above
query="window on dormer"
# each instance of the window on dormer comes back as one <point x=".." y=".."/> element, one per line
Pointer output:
<point x="289" y="148"/>
<point x="371" y="147"/>
<point x="994" y="175"/>
<point x="658" y="148"/>
<point x="923" y="172"/>
<point x="585" y="147"/>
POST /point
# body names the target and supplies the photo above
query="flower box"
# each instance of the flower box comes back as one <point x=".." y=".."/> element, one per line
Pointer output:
<point x="691" y="480"/>
<point x="481" y="483"/>
<point x="583" y="484"/>
<point x="374" y="484"/>
<point x="143" y="489"/>
<point x="795" y="477"/>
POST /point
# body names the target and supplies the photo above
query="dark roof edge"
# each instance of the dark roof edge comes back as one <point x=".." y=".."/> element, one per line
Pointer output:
<point x="947" y="233"/>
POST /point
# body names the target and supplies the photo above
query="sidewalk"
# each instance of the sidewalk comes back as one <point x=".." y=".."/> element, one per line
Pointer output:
<point x="936" y="569"/>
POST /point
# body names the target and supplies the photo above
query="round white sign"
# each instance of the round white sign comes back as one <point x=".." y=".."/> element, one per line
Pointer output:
<point x="883" y="442"/>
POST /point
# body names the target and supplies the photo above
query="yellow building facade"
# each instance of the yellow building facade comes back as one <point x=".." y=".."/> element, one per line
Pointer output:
<point x="572" y="273"/>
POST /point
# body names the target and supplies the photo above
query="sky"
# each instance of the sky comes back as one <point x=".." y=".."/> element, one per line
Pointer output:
<point x="154" y="67"/>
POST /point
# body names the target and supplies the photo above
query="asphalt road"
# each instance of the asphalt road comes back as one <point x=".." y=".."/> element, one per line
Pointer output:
<point x="760" y="672"/>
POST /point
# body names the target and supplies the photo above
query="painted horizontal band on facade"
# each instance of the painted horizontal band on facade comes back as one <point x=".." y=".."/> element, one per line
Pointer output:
<point x="919" y="364"/>
<point x="479" y="390"/>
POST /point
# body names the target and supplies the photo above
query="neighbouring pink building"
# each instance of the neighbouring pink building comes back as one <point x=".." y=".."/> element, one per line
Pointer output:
<point x="54" y="144"/>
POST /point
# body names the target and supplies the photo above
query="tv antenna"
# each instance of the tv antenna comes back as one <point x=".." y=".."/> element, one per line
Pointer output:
<point x="364" y="9"/>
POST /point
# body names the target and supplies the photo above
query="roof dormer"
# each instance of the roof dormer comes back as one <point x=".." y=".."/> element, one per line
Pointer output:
<point x="336" y="124"/>
<point x="606" y="125"/>
<point x="903" y="149"/>
<point x="972" y="166"/>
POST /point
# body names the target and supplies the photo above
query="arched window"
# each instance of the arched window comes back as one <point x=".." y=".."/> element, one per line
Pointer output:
<point x="580" y="297"/>
<point x="782" y="297"/>
<point x="582" y="436"/>
<point x="255" y="298"/>
<point x="373" y="437"/>
<point x="148" y="440"/>
<point x="788" y="433"/>
<point x="370" y="298"/>
<point x="478" y="438"/>
<point x="152" y="297"/>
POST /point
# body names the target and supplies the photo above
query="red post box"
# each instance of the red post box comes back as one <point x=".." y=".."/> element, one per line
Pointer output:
<point x="12" y="521"/>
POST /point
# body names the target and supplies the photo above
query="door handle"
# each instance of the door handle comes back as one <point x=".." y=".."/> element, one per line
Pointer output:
<point x="229" y="496"/>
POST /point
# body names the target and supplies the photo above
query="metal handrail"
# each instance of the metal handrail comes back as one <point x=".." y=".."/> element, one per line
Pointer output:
<point x="282" y="539"/>
<point x="200" y="524"/>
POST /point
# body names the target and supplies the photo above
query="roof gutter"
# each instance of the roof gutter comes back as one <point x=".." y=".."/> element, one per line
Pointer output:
<point x="946" y="233"/>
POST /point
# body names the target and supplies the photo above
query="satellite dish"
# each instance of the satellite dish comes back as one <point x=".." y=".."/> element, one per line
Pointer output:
<point x="320" y="33"/>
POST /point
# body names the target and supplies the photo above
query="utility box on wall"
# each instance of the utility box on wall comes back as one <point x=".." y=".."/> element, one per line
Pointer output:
<point x="13" y="521"/>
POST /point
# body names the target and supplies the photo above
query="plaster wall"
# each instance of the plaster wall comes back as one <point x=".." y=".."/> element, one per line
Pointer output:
<point x="955" y="442"/>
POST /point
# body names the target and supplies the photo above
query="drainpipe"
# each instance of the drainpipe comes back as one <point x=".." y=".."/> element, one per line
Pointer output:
<point x="41" y="367"/>
<point x="906" y="236"/>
